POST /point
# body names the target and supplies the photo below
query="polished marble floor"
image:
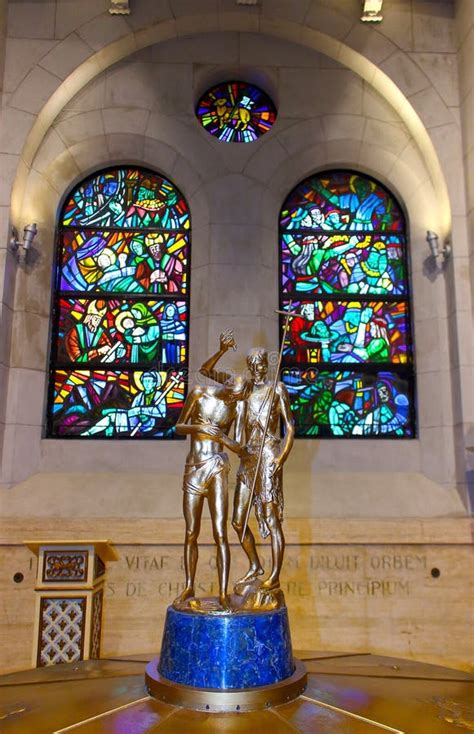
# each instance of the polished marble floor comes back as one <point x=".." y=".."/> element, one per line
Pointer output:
<point x="346" y="693"/>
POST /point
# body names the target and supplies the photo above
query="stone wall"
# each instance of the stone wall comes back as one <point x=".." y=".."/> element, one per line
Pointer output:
<point x="387" y="587"/>
<point x="83" y="89"/>
<point x="465" y="49"/>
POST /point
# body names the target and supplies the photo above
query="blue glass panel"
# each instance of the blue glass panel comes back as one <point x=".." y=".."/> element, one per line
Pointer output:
<point x="342" y="263"/>
<point x="127" y="198"/>
<point x="114" y="404"/>
<point x="236" y="112"/>
<point x="119" y="330"/>
<point x="347" y="331"/>
<point x="349" y="404"/>
<point x="124" y="262"/>
<point x="341" y="200"/>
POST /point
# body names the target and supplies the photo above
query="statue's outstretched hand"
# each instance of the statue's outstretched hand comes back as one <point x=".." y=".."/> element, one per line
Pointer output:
<point x="227" y="340"/>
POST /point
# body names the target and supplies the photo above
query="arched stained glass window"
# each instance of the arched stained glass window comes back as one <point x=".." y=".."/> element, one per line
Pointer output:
<point x="347" y="358"/>
<point x="120" y="319"/>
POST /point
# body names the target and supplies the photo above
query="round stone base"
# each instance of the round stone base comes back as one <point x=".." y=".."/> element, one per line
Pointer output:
<point x="218" y="700"/>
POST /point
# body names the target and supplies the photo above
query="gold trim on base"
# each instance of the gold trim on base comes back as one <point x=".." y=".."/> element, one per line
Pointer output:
<point x="214" y="699"/>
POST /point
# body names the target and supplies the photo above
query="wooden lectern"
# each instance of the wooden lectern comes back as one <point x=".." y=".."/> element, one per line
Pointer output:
<point x="69" y="589"/>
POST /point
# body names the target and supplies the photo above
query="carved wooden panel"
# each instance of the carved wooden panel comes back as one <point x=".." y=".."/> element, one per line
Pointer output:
<point x="61" y="630"/>
<point x="65" y="565"/>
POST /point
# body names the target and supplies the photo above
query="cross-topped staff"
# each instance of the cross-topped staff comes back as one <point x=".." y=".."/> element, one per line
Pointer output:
<point x="289" y="314"/>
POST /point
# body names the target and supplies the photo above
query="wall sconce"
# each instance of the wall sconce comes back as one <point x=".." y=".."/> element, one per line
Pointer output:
<point x="119" y="7"/>
<point x="372" y="11"/>
<point x="433" y="243"/>
<point x="29" y="233"/>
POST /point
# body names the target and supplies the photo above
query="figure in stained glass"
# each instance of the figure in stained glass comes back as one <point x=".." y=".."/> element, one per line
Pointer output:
<point x="314" y="218"/>
<point x="348" y="331"/>
<point x="147" y="405"/>
<point x="79" y="393"/>
<point x="112" y="262"/>
<point x="387" y="414"/>
<point x="345" y="404"/>
<point x="311" y="401"/>
<point x="88" y="340"/>
<point x="158" y="271"/>
<point x="173" y="334"/>
<point x="142" y="332"/>
<point x="116" y="404"/>
<point x="341" y="200"/>
<point x="128" y="330"/>
<point x="359" y="264"/>
<point x="362" y="201"/>
<point x="390" y="411"/>
<point x="127" y="199"/>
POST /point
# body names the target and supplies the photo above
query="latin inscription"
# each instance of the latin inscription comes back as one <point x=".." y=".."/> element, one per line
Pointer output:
<point x="307" y="573"/>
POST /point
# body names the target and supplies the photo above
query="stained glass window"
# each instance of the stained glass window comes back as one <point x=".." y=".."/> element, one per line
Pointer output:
<point x="347" y="357"/>
<point x="236" y="112"/>
<point x="120" y="325"/>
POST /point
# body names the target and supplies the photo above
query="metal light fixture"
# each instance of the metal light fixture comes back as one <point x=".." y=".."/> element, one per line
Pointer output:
<point x="372" y="11"/>
<point x="119" y="7"/>
<point x="29" y="233"/>
<point x="433" y="243"/>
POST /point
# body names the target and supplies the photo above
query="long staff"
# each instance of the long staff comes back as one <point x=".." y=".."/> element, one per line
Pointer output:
<point x="289" y="315"/>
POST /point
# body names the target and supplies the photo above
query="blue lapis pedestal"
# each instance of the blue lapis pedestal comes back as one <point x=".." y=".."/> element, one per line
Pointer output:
<point x="223" y="662"/>
<point x="226" y="651"/>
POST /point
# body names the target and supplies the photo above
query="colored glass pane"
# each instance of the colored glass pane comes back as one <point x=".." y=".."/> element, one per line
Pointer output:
<point x="342" y="263"/>
<point x="347" y="331"/>
<point x="124" y="262"/>
<point x="236" y="112"/>
<point x="128" y="198"/>
<point x="341" y="200"/>
<point x="129" y="331"/>
<point x="114" y="404"/>
<point x="350" y="404"/>
<point x="120" y="345"/>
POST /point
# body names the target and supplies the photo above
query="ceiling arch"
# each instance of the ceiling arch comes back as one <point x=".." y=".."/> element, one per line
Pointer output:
<point x="193" y="25"/>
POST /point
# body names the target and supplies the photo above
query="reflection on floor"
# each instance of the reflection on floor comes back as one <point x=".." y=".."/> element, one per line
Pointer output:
<point x="346" y="693"/>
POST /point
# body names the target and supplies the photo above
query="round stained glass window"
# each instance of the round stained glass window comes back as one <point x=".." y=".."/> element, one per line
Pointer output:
<point x="236" y="112"/>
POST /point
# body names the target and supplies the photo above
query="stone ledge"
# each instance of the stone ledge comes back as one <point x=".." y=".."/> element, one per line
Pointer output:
<point x="300" y="531"/>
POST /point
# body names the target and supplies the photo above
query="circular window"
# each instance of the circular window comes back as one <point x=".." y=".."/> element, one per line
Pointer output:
<point x="236" y="112"/>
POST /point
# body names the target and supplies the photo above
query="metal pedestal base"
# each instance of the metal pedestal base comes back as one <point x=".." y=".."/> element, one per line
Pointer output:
<point x="218" y="700"/>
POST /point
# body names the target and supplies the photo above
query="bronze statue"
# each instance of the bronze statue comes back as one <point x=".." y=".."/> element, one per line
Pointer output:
<point x="207" y="416"/>
<point x="198" y="650"/>
<point x="259" y="478"/>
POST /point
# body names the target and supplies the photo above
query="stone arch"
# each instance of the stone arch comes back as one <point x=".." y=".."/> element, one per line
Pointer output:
<point x="290" y="31"/>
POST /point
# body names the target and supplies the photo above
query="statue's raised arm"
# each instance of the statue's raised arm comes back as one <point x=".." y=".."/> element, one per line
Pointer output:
<point x="207" y="368"/>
